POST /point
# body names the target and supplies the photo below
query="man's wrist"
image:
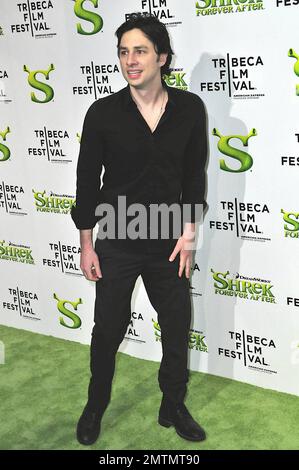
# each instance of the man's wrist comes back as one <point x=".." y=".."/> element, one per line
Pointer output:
<point x="86" y="241"/>
<point x="189" y="231"/>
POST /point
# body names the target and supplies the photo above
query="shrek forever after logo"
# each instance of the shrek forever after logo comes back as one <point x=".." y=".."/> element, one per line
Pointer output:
<point x="55" y="203"/>
<point x="196" y="341"/>
<point x="16" y="252"/>
<point x="243" y="287"/>
<point x="176" y="79"/>
<point x="291" y="224"/>
<point x="224" y="7"/>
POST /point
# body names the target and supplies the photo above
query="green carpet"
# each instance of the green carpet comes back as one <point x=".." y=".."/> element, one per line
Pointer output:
<point x="43" y="390"/>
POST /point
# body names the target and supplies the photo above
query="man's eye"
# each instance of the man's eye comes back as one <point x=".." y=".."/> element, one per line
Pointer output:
<point x="139" y="51"/>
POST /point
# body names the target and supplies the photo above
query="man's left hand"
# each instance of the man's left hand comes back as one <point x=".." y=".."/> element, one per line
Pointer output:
<point x="183" y="247"/>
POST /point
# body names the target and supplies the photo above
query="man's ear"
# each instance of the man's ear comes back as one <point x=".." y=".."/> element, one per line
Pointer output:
<point x="162" y="58"/>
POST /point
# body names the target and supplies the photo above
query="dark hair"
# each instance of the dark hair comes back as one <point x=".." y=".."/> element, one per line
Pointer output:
<point x="154" y="30"/>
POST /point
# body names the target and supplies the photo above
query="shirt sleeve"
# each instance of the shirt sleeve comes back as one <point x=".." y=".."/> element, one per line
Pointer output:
<point x="194" y="178"/>
<point x="89" y="168"/>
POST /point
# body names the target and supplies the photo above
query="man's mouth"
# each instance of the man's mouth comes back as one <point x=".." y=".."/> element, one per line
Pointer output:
<point x="134" y="73"/>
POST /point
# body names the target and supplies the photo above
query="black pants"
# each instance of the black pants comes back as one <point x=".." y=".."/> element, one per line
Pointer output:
<point x="169" y="295"/>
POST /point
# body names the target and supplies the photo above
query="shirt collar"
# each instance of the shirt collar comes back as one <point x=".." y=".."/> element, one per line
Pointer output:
<point x="128" y="100"/>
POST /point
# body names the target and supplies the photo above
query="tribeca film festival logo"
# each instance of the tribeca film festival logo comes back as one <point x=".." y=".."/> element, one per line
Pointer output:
<point x="293" y="301"/>
<point x="287" y="3"/>
<point x="217" y="7"/>
<point x="287" y="160"/>
<point x="16" y="252"/>
<point x="3" y="79"/>
<point x="291" y="226"/>
<point x="97" y="80"/>
<point x="236" y="77"/>
<point x="176" y="79"/>
<point x="196" y="341"/>
<point x="158" y="8"/>
<point x="241" y="218"/>
<point x="38" y="85"/>
<point x="65" y="258"/>
<point x="34" y="18"/>
<point x="56" y="203"/>
<point x="293" y="54"/>
<point x="11" y="198"/>
<point x="251" y="350"/>
<point x="4" y="150"/>
<point x="133" y="333"/>
<point x="50" y="145"/>
<point x="243" y="287"/>
<point x="244" y="159"/>
<point x="74" y="321"/>
<point x="22" y="302"/>
<point x="195" y="270"/>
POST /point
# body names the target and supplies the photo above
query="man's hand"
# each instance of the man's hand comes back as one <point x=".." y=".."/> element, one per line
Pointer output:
<point x="184" y="246"/>
<point x="90" y="264"/>
<point x="89" y="260"/>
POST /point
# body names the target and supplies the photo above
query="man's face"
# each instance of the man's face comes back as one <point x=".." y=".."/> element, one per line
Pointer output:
<point x="140" y="64"/>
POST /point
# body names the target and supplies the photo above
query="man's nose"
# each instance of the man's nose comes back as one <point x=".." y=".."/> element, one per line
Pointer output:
<point x="131" y="58"/>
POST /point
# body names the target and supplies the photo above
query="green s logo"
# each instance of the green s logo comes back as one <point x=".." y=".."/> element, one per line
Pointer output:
<point x="3" y="148"/>
<point x="292" y="219"/>
<point x="293" y="54"/>
<point x="90" y="16"/>
<point x="68" y="313"/>
<point x="244" y="158"/>
<point x="46" y="89"/>
<point x="157" y="330"/>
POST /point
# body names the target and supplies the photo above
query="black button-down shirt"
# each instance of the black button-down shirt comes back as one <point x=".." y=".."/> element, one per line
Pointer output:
<point x="164" y="166"/>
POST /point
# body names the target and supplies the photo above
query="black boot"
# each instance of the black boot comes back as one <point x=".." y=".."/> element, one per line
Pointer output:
<point x="177" y="415"/>
<point x="89" y="426"/>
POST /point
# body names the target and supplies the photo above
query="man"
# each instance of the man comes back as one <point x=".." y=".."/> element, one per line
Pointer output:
<point x="151" y="140"/>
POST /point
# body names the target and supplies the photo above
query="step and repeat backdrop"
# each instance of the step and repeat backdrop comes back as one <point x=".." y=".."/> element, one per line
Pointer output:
<point x="242" y="58"/>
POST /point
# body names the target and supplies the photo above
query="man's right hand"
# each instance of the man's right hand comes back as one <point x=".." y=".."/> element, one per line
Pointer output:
<point x="90" y="264"/>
